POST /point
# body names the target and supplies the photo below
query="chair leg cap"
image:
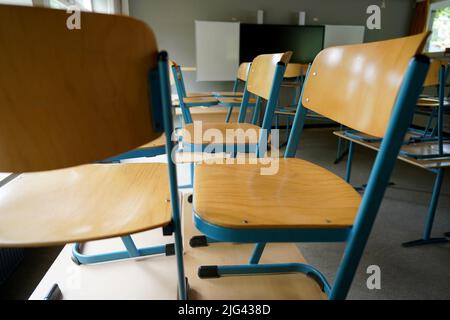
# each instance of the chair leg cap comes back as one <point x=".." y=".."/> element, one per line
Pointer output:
<point x="170" y="249"/>
<point x="208" y="272"/>
<point x="198" y="242"/>
<point x="75" y="260"/>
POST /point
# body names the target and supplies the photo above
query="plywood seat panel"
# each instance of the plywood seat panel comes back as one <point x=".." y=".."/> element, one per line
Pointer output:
<point x="157" y="143"/>
<point x="430" y="102"/>
<point x="200" y="100"/>
<point x="199" y="94"/>
<point x="237" y="133"/>
<point x="83" y="203"/>
<point x="228" y="94"/>
<point x="300" y="195"/>
<point x="235" y="101"/>
<point x="206" y="110"/>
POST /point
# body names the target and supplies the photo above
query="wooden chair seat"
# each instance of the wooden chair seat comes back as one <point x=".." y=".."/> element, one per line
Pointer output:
<point x="249" y="131"/>
<point x="83" y="203"/>
<point x="234" y="101"/>
<point x="157" y="143"/>
<point x="201" y="101"/>
<point x="228" y="94"/>
<point x="205" y="110"/>
<point x="199" y="94"/>
<point x="300" y="195"/>
<point x="289" y="111"/>
<point x="430" y="102"/>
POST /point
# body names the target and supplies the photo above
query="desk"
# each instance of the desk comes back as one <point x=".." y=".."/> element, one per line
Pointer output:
<point x="436" y="166"/>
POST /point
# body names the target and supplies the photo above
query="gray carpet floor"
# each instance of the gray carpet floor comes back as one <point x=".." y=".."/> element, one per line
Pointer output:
<point x="406" y="273"/>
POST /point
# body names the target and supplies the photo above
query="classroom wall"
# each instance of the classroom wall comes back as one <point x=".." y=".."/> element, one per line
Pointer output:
<point x="173" y="21"/>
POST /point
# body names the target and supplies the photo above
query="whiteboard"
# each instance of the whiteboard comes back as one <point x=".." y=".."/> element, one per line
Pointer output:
<point x="341" y="35"/>
<point x="217" y="50"/>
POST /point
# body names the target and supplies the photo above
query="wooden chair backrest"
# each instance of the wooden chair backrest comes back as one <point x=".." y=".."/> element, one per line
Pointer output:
<point x="243" y="71"/>
<point x="357" y="85"/>
<point x="295" y="70"/>
<point x="432" y="78"/>
<point x="70" y="97"/>
<point x="262" y="72"/>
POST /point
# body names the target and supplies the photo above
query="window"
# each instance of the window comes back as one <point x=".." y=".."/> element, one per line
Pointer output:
<point x="439" y="24"/>
<point x="103" y="6"/>
<point x="18" y="2"/>
<point x="85" y="5"/>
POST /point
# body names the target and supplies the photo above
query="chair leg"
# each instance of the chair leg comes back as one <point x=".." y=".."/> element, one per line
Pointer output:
<point x="340" y="154"/>
<point x="349" y="162"/>
<point x="131" y="252"/>
<point x="230" y="112"/>
<point x="257" y="253"/>
<point x="427" y="239"/>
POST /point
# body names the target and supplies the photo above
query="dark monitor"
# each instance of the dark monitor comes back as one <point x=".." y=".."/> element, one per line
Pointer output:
<point x="304" y="41"/>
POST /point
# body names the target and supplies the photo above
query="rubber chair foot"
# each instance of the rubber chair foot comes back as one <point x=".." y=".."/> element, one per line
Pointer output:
<point x="198" y="242"/>
<point x="208" y="272"/>
<point x="75" y="260"/>
<point x="170" y="249"/>
<point x="422" y="242"/>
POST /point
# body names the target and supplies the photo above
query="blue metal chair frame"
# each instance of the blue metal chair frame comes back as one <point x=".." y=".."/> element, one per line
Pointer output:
<point x="357" y="236"/>
<point x="299" y="80"/>
<point x="166" y="106"/>
<point x="267" y="121"/>
<point x="181" y="91"/>
<point x="260" y="149"/>
<point x="443" y="74"/>
<point x="235" y="89"/>
<point x="159" y="81"/>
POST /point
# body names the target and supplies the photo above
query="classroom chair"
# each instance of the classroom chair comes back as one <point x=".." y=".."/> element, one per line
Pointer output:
<point x="421" y="148"/>
<point x="185" y="100"/>
<point x="303" y="202"/>
<point x="56" y="121"/>
<point x="418" y="144"/>
<point x="423" y="141"/>
<point x="264" y="79"/>
<point x="241" y="78"/>
<point x="208" y="99"/>
<point x="177" y="75"/>
<point x="293" y="80"/>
